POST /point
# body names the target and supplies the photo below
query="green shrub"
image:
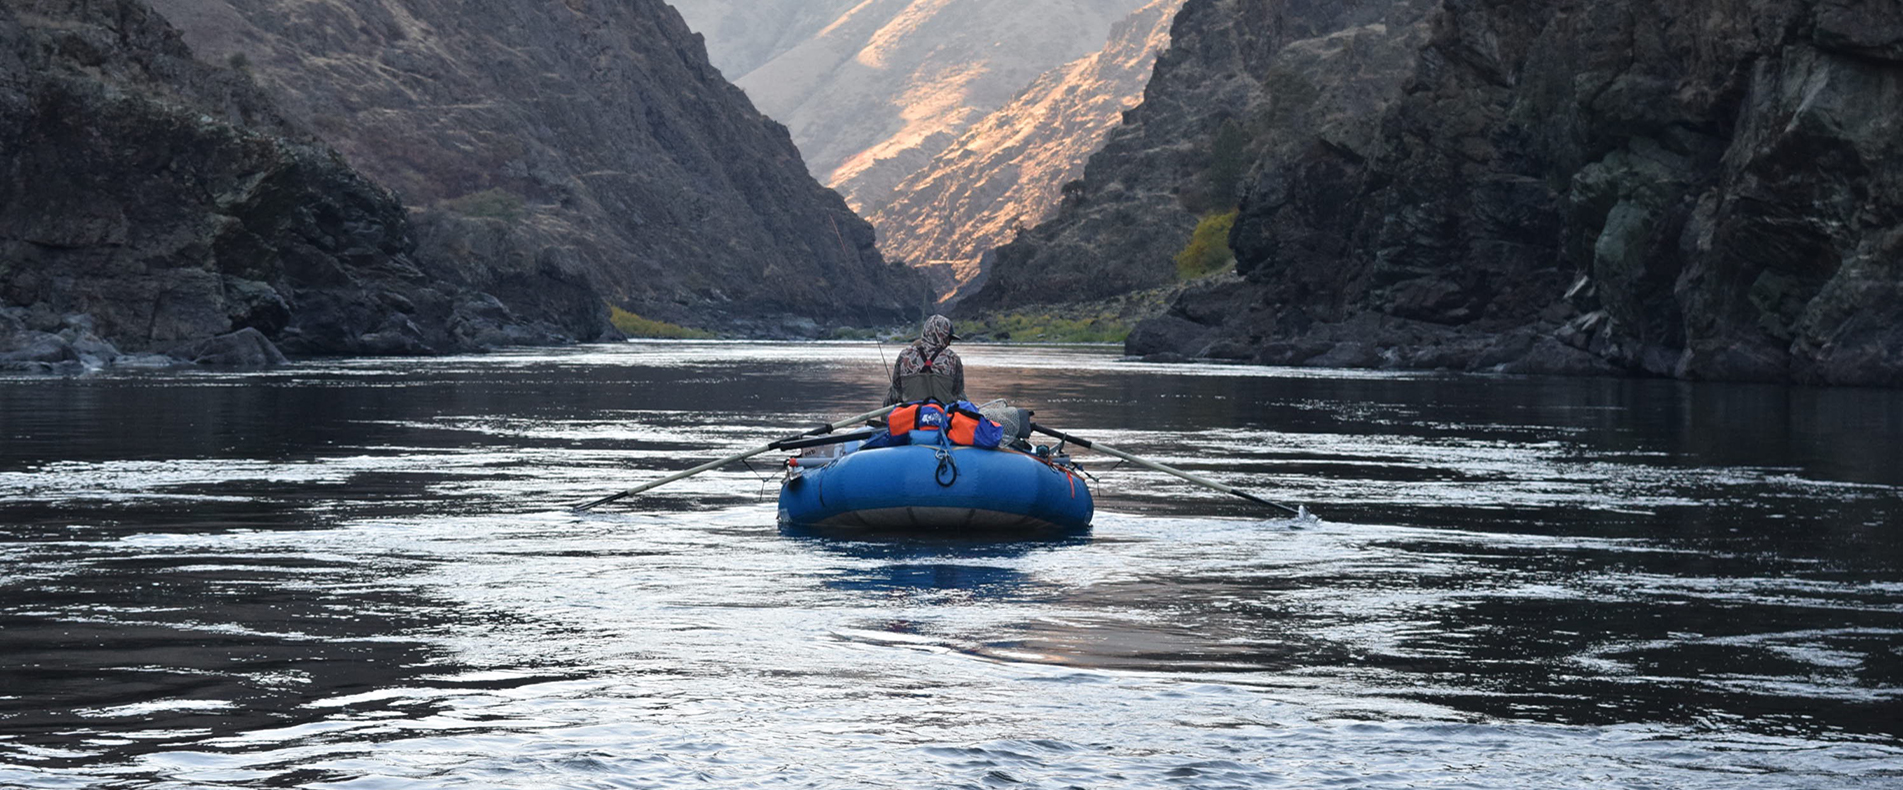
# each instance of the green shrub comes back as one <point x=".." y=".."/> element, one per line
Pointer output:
<point x="1036" y="327"/>
<point x="634" y="325"/>
<point x="1208" y="249"/>
<point x="495" y="203"/>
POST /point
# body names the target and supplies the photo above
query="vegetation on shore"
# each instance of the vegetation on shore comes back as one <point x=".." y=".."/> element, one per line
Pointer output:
<point x="1100" y="321"/>
<point x="633" y="325"/>
<point x="498" y="203"/>
<point x="1208" y="250"/>
<point x="1106" y="321"/>
<point x="1047" y="326"/>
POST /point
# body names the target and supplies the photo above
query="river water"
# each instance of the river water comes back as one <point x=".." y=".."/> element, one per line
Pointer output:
<point x="361" y="574"/>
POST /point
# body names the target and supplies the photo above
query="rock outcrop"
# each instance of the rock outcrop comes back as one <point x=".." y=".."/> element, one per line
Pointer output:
<point x="150" y="201"/>
<point x="1009" y="169"/>
<point x="245" y="348"/>
<point x="69" y="346"/>
<point x="584" y="142"/>
<point x="1698" y="188"/>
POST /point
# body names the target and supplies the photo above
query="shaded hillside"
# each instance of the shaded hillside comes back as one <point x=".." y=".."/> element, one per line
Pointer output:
<point x="151" y="202"/>
<point x="587" y="139"/>
<point x="1698" y="188"/>
<point x="1008" y="170"/>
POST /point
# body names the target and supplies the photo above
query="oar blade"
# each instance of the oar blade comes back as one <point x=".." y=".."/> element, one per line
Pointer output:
<point x="587" y="506"/>
<point x="1297" y="512"/>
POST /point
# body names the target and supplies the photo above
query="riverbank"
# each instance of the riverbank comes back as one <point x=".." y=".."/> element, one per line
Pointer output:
<point x="70" y="345"/>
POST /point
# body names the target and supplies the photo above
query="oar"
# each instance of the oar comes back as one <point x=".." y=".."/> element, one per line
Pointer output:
<point x="775" y="445"/>
<point x="821" y="441"/>
<point x="1108" y="450"/>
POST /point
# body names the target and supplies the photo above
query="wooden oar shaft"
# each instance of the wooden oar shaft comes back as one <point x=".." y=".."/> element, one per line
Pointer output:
<point x="824" y="429"/>
<point x="1169" y="470"/>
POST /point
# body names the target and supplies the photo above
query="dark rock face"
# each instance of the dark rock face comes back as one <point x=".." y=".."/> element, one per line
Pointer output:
<point x="1696" y="188"/>
<point x="168" y="202"/>
<point x="1143" y="192"/>
<point x="565" y="148"/>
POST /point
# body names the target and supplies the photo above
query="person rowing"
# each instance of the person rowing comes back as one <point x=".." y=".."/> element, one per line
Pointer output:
<point x="929" y="369"/>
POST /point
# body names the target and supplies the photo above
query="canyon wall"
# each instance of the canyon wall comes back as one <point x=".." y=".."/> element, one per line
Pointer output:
<point x="947" y="124"/>
<point x="1696" y="188"/>
<point x="1008" y="170"/>
<point x="592" y="140"/>
<point x="150" y="202"/>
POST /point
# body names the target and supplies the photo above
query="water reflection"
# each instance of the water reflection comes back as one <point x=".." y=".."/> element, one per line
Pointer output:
<point x="905" y="565"/>
<point x="147" y="644"/>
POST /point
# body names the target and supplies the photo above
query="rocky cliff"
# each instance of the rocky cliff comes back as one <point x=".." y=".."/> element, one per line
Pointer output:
<point x="1120" y="228"/>
<point x="585" y="140"/>
<point x="1696" y="188"/>
<point x="1009" y="169"/>
<point x="150" y="202"/>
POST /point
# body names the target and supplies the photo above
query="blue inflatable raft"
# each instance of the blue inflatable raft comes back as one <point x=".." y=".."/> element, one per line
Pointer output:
<point x="937" y="489"/>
